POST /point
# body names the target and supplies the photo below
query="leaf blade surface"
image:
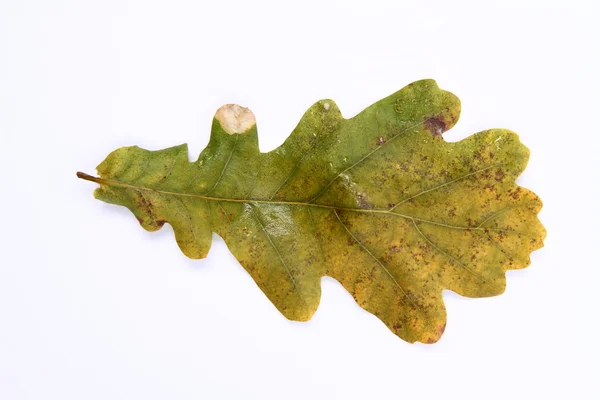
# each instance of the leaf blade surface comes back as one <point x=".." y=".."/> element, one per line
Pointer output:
<point x="380" y="202"/>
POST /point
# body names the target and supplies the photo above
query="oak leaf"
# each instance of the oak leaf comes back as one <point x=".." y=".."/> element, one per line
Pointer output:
<point x="380" y="202"/>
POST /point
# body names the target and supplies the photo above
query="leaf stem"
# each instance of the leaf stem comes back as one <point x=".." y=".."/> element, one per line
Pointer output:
<point x="84" y="176"/>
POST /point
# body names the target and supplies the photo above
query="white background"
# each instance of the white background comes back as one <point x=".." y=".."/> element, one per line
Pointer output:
<point x="94" y="307"/>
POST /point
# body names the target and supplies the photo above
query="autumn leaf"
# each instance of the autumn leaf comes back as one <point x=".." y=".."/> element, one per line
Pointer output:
<point x="380" y="202"/>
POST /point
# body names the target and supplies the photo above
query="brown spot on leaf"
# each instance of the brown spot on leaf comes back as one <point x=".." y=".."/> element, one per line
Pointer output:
<point x="501" y="235"/>
<point x="499" y="175"/>
<point x="395" y="248"/>
<point x="145" y="205"/>
<point x="515" y="194"/>
<point x="490" y="188"/>
<point x="435" y="125"/>
<point x="380" y="140"/>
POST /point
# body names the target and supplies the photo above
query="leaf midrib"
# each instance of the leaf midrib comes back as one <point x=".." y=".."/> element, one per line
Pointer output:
<point x="107" y="182"/>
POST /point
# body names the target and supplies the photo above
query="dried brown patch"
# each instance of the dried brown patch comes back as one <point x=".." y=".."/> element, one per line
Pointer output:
<point x="436" y="125"/>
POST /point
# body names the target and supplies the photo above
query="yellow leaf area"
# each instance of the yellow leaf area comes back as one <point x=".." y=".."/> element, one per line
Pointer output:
<point x="379" y="202"/>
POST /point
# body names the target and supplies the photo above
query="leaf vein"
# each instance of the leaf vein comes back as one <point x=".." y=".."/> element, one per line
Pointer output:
<point x="439" y="249"/>
<point x="225" y="166"/>
<point x="278" y="254"/>
<point x="362" y="246"/>
<point x="444" y="184"/>
<point x="364" y="158"/>
<point x="293" y="171"/>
